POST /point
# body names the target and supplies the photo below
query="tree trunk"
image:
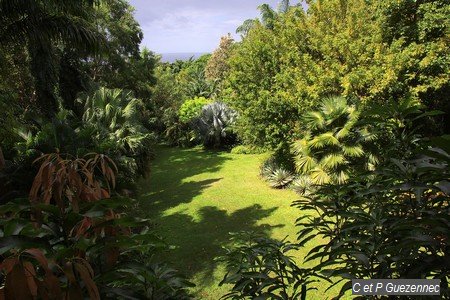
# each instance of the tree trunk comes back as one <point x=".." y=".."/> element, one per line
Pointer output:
<point x="2" y="159"/>
<point x="42" y="67"/>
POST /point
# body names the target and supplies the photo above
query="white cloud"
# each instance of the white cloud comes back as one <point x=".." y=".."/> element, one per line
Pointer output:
<point x="191" y="25"/>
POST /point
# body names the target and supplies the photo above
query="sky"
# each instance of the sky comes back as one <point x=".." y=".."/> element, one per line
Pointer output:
<point x="177" y="26"/>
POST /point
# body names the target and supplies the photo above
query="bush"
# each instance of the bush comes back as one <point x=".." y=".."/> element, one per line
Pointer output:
<point x="114" y="121"/>
<point x="192" y="108"/>
<point x="246" y="149"/>
<point x="261" y="268"/>
<point x="73" y="238"/>
<point x="177" y="133"/>
<point x="275" y="174"/>
<point x="215" y="125"/>
<point x="392" y="223"/>
<point x="332" y="147"/>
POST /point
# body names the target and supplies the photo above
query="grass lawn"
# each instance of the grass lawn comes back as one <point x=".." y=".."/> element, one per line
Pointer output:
<point x="197" y="197"/>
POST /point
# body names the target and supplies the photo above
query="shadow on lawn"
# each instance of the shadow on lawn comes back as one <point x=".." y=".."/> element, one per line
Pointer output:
<point x="199" y="242"/>
<point x="173" y="165"/>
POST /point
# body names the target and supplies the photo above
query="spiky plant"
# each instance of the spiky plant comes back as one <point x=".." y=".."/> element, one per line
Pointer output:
<point x="332" y="146"/>
<point x="280" y="178"/>
<point x="301" y="185"/>
<point x="214" y="124"/>
<point x="268" y="167"/>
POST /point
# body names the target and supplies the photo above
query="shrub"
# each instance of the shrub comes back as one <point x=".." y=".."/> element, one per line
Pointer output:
<point x="261" y="268"/>
<point x="332" y="147"/>
<point x="177" y="133"/>
<point x="73" y="239"/>
<point x="301" y="185"/>
<point x="392" y="223"/>
<point x="247" y="149"/>
<point x="280" y="178"/>
<point x="215" y="125"/>
<point x="275" y="171"/>
<point x="113" y="118"/>
<point x="192" y="108"/>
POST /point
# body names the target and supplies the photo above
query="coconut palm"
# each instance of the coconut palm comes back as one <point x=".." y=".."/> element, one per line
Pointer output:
<point x="332" y="144"/>
<point x="39" y="25"/>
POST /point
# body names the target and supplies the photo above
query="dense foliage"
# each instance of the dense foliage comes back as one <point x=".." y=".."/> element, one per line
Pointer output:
<point x="263" y="268"/>
<point x="72" y="240"/>
<point x="332" y="146"/>
<point x="74" y="81"/>
<point x="338" y="48"/>
<point x="348" y="90"/>
<point x="350" y="98"/>
<point x="192" y="108"/>
<point x="393" y="223"/>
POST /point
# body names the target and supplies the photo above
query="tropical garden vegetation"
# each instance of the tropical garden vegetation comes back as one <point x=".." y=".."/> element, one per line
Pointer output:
<point x="344" y="101"/>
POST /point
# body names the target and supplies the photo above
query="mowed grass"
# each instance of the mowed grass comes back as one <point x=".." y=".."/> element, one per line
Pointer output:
<point x="197" y="197"/>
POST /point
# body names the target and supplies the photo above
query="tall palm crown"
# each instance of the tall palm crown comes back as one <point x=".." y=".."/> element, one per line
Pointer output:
<point x="40" y="26"/>
<point x="43" y="21"/>
<point x="332" y="143"/>
<point x="268" y="16"/>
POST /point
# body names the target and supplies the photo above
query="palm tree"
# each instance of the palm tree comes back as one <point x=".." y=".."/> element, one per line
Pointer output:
<point x="115" y="116"/>
<point x="2" y="159"/>
<point x="333" y="142"/>
<point x="268" y="17"/>
<point x="283" y="6"/>
<point x="246" y="26"/>
<point x="39" y="25"/>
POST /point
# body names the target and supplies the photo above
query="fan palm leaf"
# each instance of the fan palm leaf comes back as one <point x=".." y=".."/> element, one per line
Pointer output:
<point x="332" y="161"/>
<point x="332" y="139"/>
<point x="325" y="139"/>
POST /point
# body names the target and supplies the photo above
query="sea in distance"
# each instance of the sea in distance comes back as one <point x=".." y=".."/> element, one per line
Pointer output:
<point x="172" y="57"/>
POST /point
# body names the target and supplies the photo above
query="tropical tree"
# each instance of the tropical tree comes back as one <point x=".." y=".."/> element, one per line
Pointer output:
<point x="267" y="18"/>
<point x="40" y="26"/>
<point x="116" y="116"/>
<point x="218" y="65"/>
<point x="332" y="146"/>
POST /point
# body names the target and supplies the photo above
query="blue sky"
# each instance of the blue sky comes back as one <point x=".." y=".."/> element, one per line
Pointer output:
<point x="172" y="26"/>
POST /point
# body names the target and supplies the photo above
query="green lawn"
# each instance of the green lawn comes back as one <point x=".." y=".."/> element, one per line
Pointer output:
<point x="197" y="197"/>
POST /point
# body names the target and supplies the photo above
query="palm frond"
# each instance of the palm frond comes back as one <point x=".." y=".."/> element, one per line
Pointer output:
<point x="305" y="163"/>
<point x="332" y="161"/>
<point x="320" y="176"/>
<point x="314" y="120"/>
<point x="353" y="151"/>
<point x="325" y="139"/>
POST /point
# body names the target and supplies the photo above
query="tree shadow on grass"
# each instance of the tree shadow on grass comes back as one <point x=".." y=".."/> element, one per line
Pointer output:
<point x="166" y="187"/>
<point x="199" y="238"/>
<point x="177" y="194"/>
<point x="199" y="242"/>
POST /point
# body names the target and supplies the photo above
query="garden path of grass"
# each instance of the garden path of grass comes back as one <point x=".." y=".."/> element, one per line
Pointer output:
<point x="197" y="197"/>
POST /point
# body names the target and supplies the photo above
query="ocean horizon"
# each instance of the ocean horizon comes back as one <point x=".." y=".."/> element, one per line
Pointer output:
<point x="172" y="57"/>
